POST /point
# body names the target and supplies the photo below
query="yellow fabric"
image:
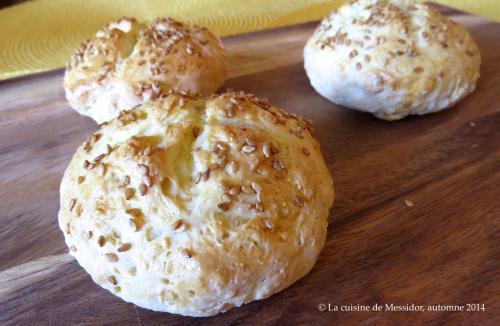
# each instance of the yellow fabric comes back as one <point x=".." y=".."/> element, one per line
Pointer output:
<point x="40" y="35"/>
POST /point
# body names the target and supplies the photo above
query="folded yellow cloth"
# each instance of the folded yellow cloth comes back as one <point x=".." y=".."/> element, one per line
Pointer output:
<point x="40" y="35"/>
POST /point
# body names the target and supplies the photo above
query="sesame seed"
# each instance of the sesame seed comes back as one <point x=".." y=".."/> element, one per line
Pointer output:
<point x="234" y="190"/>
<point x="80" y="179"/>
<point x="142" y="189"/>
<point x="143" y="168"/>
<point x="147" y="180"/>
<point x="259" y="207"/>
<point x="135" y="223"/>
<point x="86" y="164"/>
<point x="278" y="165"/>
<point x="267" y="223"/>
<point x="247" y="189"/>
<point x="197" y="178"/>
<point x="266" y="150"/>
<point x="418" y="69"/>
<point x="256" y="187"/>
<point x="126" y="181"/>
<point x="111" y="279"/>
<point x="248" y="149"/>
<point x="358" y="66"/>
<point x="109" y="149"/>
<point x="133" y="212"/>
<point x="68" y="229"/>
<point x="101" y="169"/>
<point x="205" y="175"/>
<point x="147" y="151"/>
<point x="223" y="206"/>
<point x="274" y="149"/>
<point x="101" y="241"/>
<point x="178" y="225"/>
<point x="367" y="58"/>
<point x="186" y="253"/>
<point x="408" y="203"/>
<point x="226" y="198"/>
<point x="111" y="257"/>
<point x="129" y="193"/>
<point x="72" y="204"/>
<point x="472" y="124"/>
<point x="306" y="151"/>
<point x="124" y="247"/>
<point x="353" y="53"/>
<point x="99" y="157"/>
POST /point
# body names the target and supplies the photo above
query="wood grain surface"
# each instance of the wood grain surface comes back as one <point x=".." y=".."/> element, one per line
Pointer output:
<point x="443" y="250"/>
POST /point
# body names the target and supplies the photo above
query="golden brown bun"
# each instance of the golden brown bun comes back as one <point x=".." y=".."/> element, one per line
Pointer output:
<point x="195" y="206"/>
<point x="128" y="63"/>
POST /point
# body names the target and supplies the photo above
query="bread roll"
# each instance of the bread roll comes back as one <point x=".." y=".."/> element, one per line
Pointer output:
<point x="391" y="58"/>
<point x="194" y="206"/>
<point x="128" y="63"/>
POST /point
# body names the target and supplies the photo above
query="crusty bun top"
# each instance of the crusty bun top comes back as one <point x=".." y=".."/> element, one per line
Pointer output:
<point x="195" y="206"/>
<point x="128" y="63"/>
<point x="392" y="58"/>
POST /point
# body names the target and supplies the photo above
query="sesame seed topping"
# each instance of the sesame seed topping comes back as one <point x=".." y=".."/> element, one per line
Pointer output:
<point x="111" y="257"/>
<point x="133" y="212"/>
<point x="256" y="187"/>
<point x="101" y="241"/>
<point x="266" y="150"/>
<point x="101" y="169"/>
<point x="124" y="247"/>
<point x="408" y="203"/>
<point x="248" y="149"/>
<point x="109" y="149"/>
<point x="142" y="189"/>
<point x="99" y="157"/>
<point x="186" y="253"/>
<point x="147" y="180"/>
<point x="358" y="66"/>
<point x="86" y="164"/>
<point x="353" y="53"/>
<point x="111" y="279"/>
<point x="234" y="190"/>
<point x="306" y="151"/>
<point x="129" y="193"/>
<point x="418" y="69"/>
<point x="72" y="204"/>
<point x="143" y="168"/>
<point x="179" y="225"/>
<point x="223" y="206"/>
<point x="205" y="175"/>
<point x="267" y="223"/>
<point x="278" y="165"/>
<point x="126" y="181"/>
<point x="80" y="179"/>
<point x="247" y="189"/>
<point x="472" y="124"/>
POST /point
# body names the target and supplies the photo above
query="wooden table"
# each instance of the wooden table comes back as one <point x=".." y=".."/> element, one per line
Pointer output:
<point x="443" y="250"/>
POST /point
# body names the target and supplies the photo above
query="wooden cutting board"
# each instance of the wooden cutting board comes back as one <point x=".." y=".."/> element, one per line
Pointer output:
<point x="443" y="250"/>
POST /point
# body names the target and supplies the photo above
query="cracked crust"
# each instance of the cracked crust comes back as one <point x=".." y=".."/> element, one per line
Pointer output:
<point x="195" y="206"/>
